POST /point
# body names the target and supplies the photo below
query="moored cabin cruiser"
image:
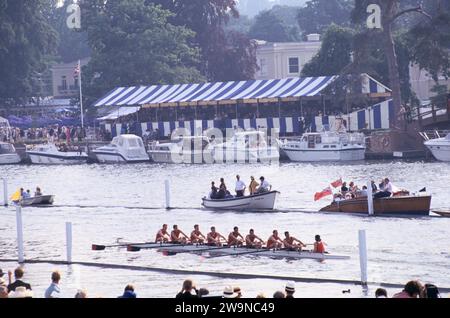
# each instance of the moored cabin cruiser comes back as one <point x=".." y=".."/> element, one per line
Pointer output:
<point x="8" y="154"/>
<point x="123" y="149"/>
<point x="196" y="149"/>
<point x="325" y="146"/>
<point x="51" y="154"/>
<point x="246" y="147"/>
<point x="440" y="148"/>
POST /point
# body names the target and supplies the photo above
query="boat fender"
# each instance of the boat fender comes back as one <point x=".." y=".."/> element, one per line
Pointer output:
<point x="385" y="141"/>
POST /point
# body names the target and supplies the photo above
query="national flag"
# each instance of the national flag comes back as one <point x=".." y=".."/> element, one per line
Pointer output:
<point x="77" y="70"/>
<point x="337" y="183"/>
<point x="324" y="193"/>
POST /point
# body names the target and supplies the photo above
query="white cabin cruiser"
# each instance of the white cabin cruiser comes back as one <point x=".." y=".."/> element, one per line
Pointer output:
<point x="439" y="147"/>
<point x="262" y="201"/>
<point x="51" y="154"/>
<point x="8" y="154"/>
<point x="187" y="150"/>
<point x="123" y="149"/>
<point x="325" y="146"/>
<point x="246" y="147"/>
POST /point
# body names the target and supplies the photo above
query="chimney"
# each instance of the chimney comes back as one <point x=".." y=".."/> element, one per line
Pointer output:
<point x="313" y="37"/>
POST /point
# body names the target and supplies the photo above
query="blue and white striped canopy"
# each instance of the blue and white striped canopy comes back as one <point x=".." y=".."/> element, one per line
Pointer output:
<point x="215" y="92"/>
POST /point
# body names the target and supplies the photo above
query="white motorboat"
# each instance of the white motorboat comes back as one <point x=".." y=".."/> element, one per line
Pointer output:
<point x="246" y="147"/>
<point x="8" y="154"/>
<point x="123" y="149"/>
<point x="50" y="154"/>
<point x="440" y="148"/>
<point x="263" y="201"/>
<point x="325" y="146"/>
<point x="186" y="150"/>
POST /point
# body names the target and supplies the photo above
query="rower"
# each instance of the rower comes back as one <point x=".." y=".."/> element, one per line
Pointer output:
<point x="319" y="246"/>
<point x="290" y="242"/>
<point x="175" y="236"/>
<point x="253" y="241"/>
<point x="196" y="236"/>
<point x="213" y="238"/>
<point x="235" y="238"/>
<point x="162" y="236"/>
<point x="274" y="240"/>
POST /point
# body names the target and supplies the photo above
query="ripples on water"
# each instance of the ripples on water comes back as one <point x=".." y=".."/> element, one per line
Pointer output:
<point x="399" y="248"/>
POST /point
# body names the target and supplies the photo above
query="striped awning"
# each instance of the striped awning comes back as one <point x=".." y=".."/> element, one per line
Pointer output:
<point x="207" y="93"/>
<point x="120" y="112"/>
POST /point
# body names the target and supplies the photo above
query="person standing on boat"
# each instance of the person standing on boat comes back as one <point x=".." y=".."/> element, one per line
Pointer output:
<point x="387" y="190"/>
<point x="213" y="238"/>
<point x="235" y="238"/>
<point x="162" y="236"/>
<point x="196" y="236"/>
<point x="240" y="187"/>
<point x="319" y="246"/>
<point x="265" y="186"/>
<point x="290" y="242"/>
<point x="175" y="236"/>
<point x="253" y="187"/>
<point x="253" y="241"/>
<point x="274" y="241"/>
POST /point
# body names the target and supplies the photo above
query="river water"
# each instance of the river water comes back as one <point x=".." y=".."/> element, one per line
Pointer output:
<point x="97" y="200"/>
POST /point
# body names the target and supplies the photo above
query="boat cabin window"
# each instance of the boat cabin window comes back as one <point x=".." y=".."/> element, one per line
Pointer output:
<point x="311" y="143"/>
<point x="318" y="139"/>
<point x="326" y="147"/>
<point x="333" y="146"/>
<point x="133" y="143"/>
<point x="6" y="148"/>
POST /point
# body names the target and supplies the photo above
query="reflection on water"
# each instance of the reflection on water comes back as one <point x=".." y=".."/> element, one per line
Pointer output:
<point x="399" y="249"/>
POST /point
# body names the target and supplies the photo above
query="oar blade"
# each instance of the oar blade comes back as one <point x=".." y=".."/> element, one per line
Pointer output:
<point x="96" y="247"/>
<point x="132" y="248"/>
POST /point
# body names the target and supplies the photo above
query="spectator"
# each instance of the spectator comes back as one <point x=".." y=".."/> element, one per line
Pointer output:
<point x="261" y="295"/>
<point x="3" y="291"/>
<point x="431" y="291"/>
<point x="128" y="292"/>
<point x="18" y="274"/>
<point x="413" y="289"/>
<point x="53" y="291"/>
<point x="381" y="293"/>
<point x="21" y="292"/>
<point x="186" y="291"/>
<point x="238" y="291"/>
<point x="81" y="294"/>
<point x="203" y="292"/>
<point x="279" y="294"/>
<point x="290" y="289"/>
<point x="228" y="292"/>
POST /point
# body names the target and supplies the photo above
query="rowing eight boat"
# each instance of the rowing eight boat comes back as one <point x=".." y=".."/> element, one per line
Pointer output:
<point x="236" y="251"/>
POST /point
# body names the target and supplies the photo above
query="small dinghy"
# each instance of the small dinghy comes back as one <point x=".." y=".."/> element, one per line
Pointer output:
<point x="38" y="200"/>
<point x="262" y="201"/>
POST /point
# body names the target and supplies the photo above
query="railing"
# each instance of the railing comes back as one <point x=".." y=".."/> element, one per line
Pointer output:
<point x="433" y="134"/>
<point x="432" y="112"/>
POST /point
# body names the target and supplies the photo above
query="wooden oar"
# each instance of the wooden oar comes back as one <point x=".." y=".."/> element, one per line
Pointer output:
<point x="149" y="246"/>
<point x="97" y="247"/>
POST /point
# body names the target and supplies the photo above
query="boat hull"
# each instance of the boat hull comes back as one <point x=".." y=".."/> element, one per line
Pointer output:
<point x="229" y="155"/>
<point x="39" y="200"/>
<point x="408" y="205"/>
<point x="303" y="155"/>
<point x="105" y="157"/>
<point x="264" y="201"/>
<point x="183" y="158"/>
<point x="7" y="159"/>
<point x="440" y="151"/>
<point x="49" y="159"/>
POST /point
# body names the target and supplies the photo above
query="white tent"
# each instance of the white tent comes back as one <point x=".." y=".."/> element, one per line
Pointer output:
<point x="4" y="122"/>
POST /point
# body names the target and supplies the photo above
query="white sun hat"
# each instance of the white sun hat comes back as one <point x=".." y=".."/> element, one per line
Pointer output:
<point x="290" y="286"/>
<point x="228" y="292"/>
<point x="21" y="292"/>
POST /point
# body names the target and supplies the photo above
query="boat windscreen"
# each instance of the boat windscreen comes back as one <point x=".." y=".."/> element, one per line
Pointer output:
<point x="6" y="149"/>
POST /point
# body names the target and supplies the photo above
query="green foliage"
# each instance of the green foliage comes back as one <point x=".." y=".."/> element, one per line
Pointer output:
<point x="317" y="15"/>
<point x="441" y="95"/>
<point x="26" y="40"/>
<point x="334" y="55"/>
<point x="133" y="44"/>
<point x="269" y="27"/>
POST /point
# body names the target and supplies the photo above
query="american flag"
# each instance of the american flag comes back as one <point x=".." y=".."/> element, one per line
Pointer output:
<point x="77" y="70"/>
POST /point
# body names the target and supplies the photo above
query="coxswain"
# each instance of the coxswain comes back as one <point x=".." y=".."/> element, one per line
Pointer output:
<point x="196" y="236"/>
<point x="213" y="238"/>
<point x="38" y="192"/>
<point x="274" y="240"/>
<point x="235" y="238"/>
<point x="291" y="243"/>
<point x="319" y="246"/>
<point x="253" y="241"/>
<point x="177" y="236"/>
<point x="162" y="236"/>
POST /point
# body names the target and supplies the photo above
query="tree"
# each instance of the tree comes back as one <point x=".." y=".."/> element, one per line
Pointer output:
<point x="334" y="55"/>
<point x="132" y="43"/>
<point x="271" y="26"/>
<point x="317" y="15"/>
<point x="26" y="40"/>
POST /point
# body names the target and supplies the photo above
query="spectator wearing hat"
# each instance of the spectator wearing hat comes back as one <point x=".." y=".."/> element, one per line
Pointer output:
<point x="128" y="292"/>
<point x="238" y="291"/>
<point x="381" y="293"/>
<point x="186" y="291"/>
<point x="53" y="291"/>
<point x="21" y="292"/>
<point x="228" y="292"/>
<point x="290" y="289"/>
<point x="18" y="274"/>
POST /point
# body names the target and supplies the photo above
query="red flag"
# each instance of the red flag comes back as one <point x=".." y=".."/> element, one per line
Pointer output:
<point x="337" y="183"/>
<point x="324" y="193"/>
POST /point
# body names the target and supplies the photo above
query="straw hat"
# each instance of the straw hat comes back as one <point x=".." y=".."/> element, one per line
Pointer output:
<point x="228" y="292"/>
<point x="290" y="286"/>
<point x="21" y="292"/>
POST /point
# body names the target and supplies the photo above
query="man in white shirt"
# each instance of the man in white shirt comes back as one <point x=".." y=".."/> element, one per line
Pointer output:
<point x="240" y="187"/>
<point x="264" y="186"/>
<point x="386" y="192"/>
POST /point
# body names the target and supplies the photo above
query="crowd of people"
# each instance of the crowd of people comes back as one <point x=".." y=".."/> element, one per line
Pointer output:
<point x="19" y="288"/>
<point x="235" y="238"/>
<point x="222" y="192"/>
<point x="384" y="189"/>
<point x="55" y="133"/>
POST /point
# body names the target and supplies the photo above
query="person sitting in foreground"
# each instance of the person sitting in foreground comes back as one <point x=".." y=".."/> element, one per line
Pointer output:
<point x="128" y="292"/>
<point x="186" y="291"/>
<point x="264" y="187"/>
<point x="319" y="246"/>
<point x="381" y="293"/>
<point x="431" y="291"/>
<point x="413" y="289"/>
<point x="253" y="241"/>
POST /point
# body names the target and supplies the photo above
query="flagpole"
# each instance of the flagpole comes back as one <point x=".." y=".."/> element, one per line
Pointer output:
<point x="81" y="96"/>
